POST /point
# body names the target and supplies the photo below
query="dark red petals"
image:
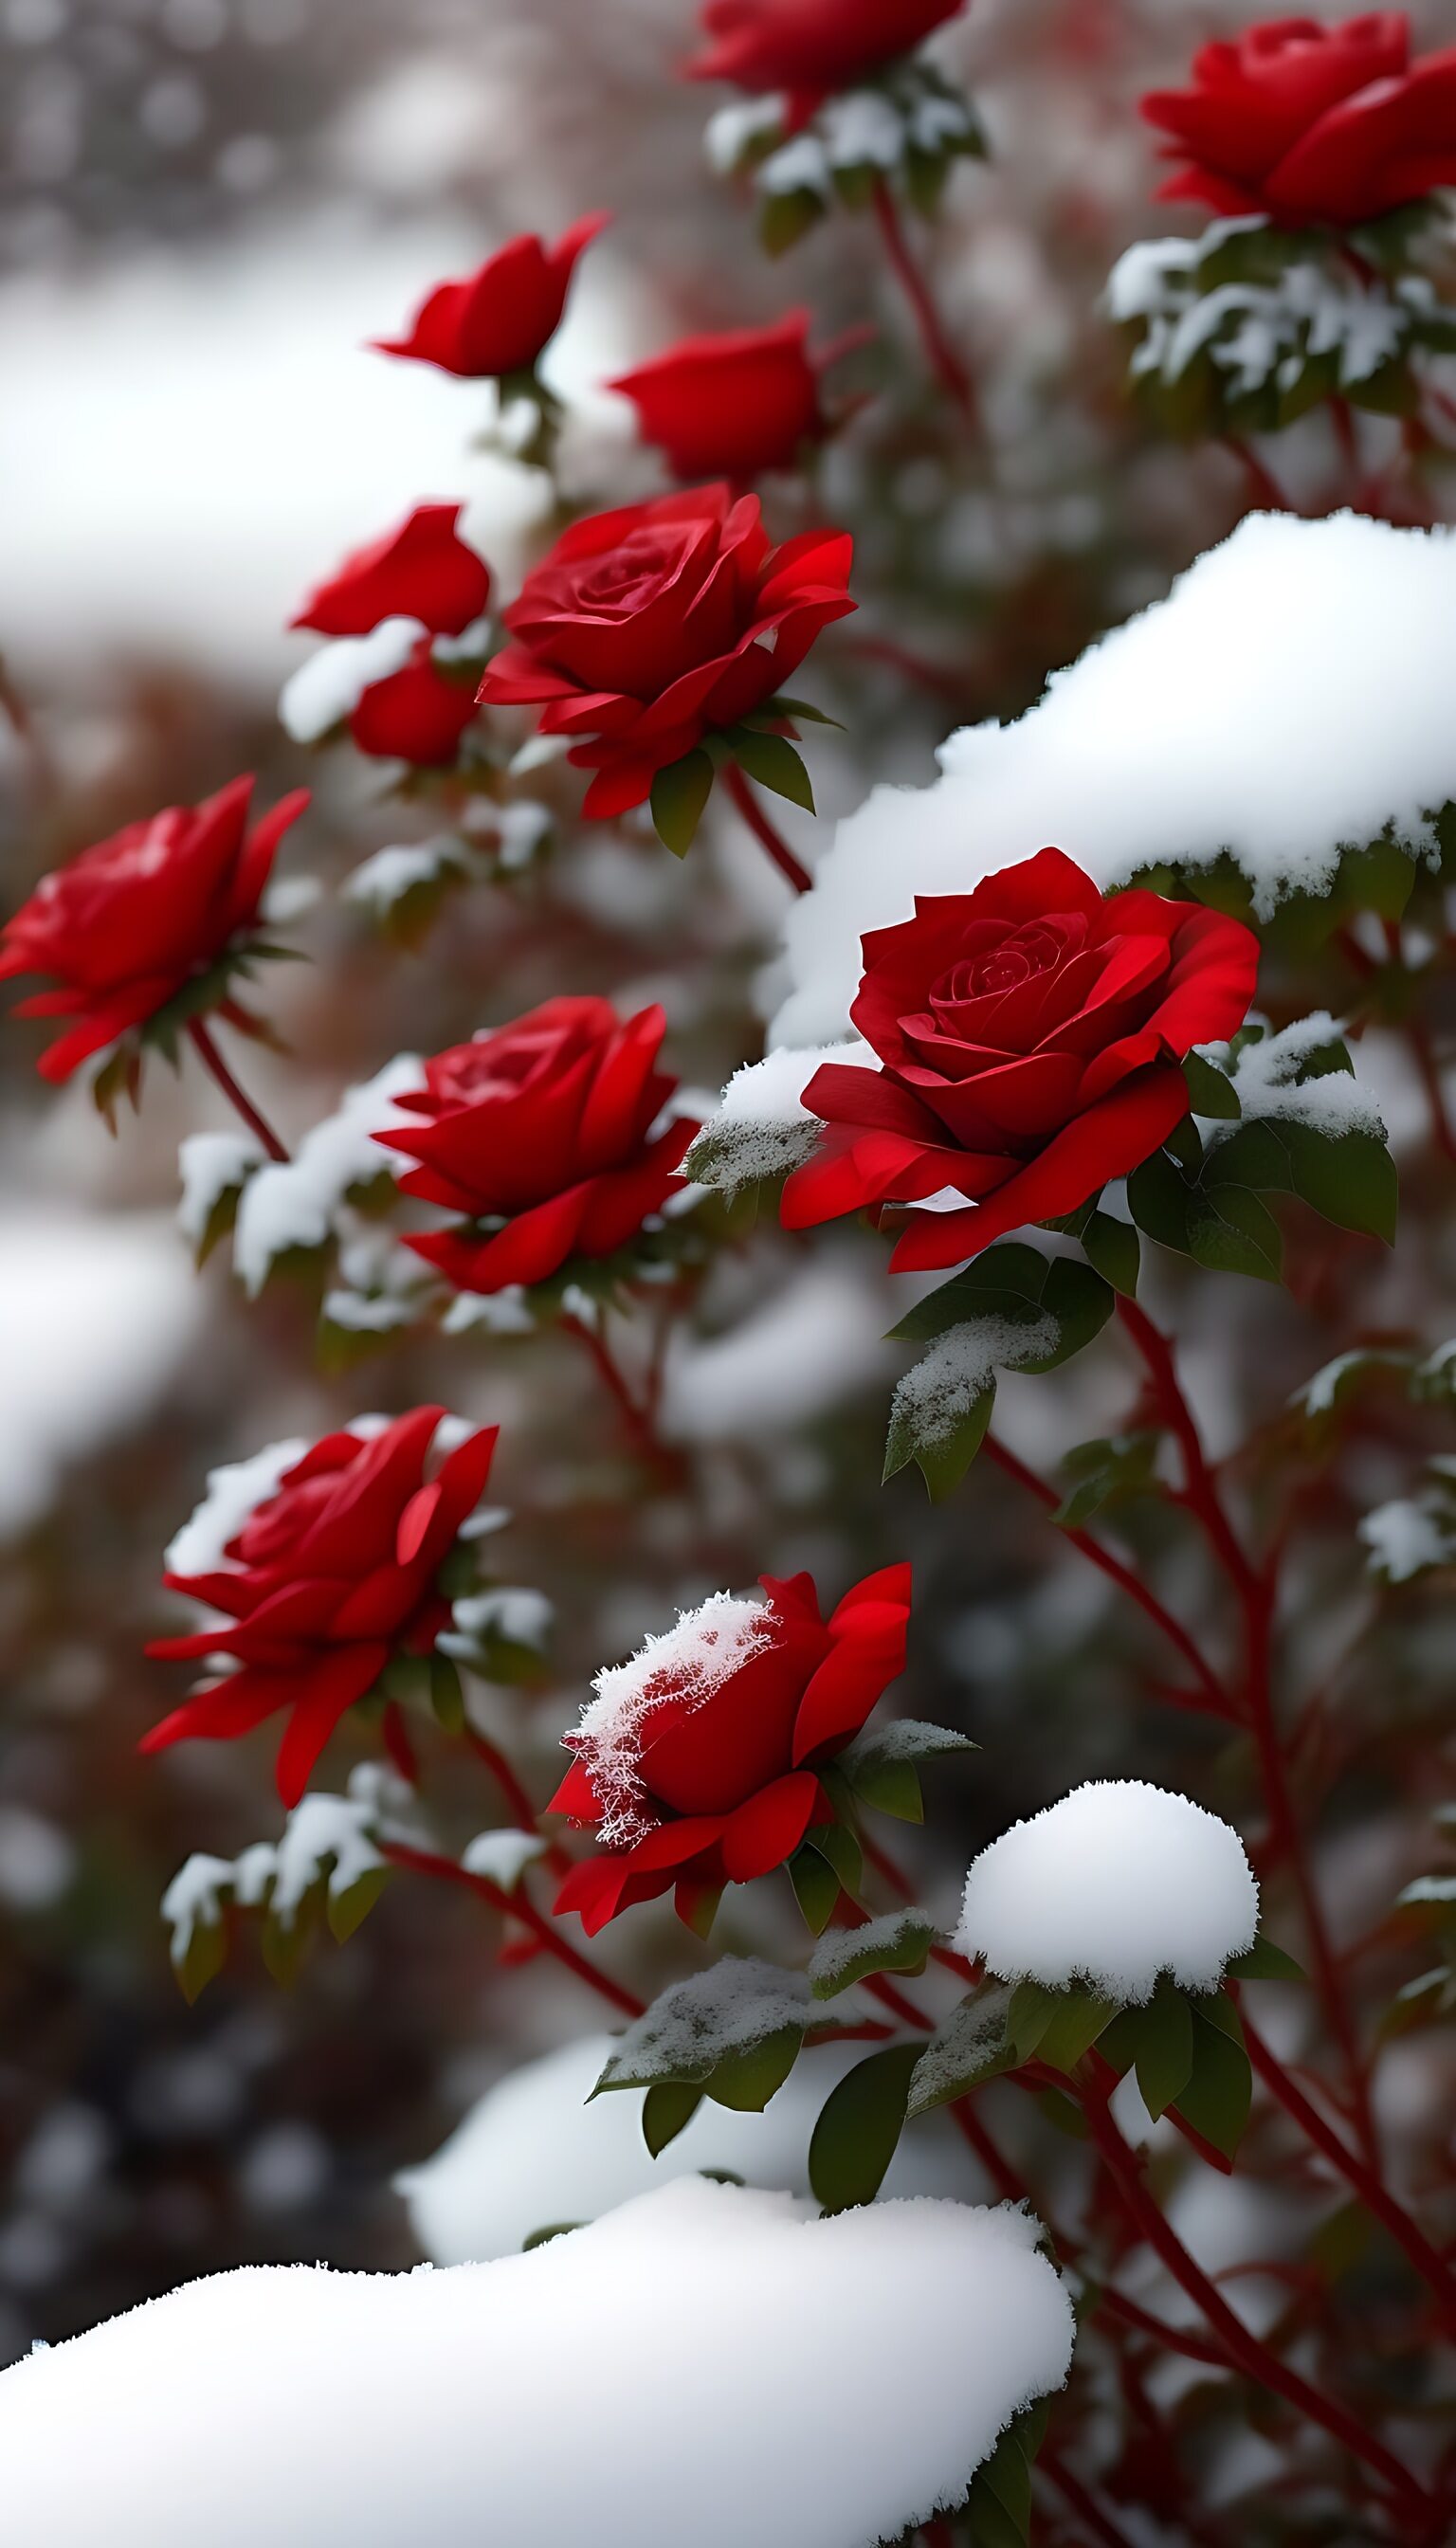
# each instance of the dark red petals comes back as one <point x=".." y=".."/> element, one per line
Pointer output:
<point x="501" y="318"/>
<point x="811" y="48"/>
<point x="421" y="570"/>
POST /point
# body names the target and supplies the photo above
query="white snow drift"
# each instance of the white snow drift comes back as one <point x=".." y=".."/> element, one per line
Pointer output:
<point x="1115" y="1884"/>
<point x="705" y="2355"/>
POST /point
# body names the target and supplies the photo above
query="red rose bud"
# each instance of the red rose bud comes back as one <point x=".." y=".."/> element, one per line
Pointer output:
<point x="331" y="1577"/>
<point x="127" y="924"/>
<point x="733" y="406"/>
<point x="646" y="629"/>
<point x="1312" y="124"/>
<point x="423" y="570"/>
<point x="545" y="1125"/>
<point x="499" y="319"/>
<point x="416" y="714"/>
<point x="1031" y="1037"/>
<point x="697" y="1762"/>
<point x="810" y="49"/>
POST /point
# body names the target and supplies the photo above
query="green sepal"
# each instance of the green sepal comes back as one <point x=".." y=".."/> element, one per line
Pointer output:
<point x="816" y="1887"/>
<point x="346" y="1911"/>
<point x="770" y="760"/>
<point x="680" y="796"/>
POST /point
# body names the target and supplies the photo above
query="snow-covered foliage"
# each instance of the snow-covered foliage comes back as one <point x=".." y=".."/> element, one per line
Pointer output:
<point x="326" y="1841"/>
<point x="1115" y="1884"/>
<point x="430" y="2405"/>
<point x="211" y="1166"/>
<point x="301" y="1203"/>
<point x="738" y="2003"/>
<point x="502" y="1856"/>
<point x="761" y="1127"/>
<point x="940" y="1390"/>
<point x="1214" y="722"/>
<point x="1273" y="1081"/>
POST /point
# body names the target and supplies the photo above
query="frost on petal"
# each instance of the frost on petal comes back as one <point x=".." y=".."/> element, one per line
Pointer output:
<point x="1115" y="1884"/>
<point x="429" y="2406"/>
<point x="686" y="1664"/>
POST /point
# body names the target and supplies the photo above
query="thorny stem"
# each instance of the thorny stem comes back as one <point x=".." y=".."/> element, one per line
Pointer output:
<point x="1216" y="1700"/>
<point x="766" y="832"/>
<point x="514" y="1906"/>
<point x="637" y="1420"/>
<point x="212" y="1061"/>
<point x="946" y="363"/>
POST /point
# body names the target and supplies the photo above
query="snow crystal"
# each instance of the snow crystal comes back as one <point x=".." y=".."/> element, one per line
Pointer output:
<point x="212" y="1164"/>
<point x="1115" y="1884"/>
<point x="940" y="1389"/>
<point x="1287" y="700"/>
<point x="328" y="688"/>
<point x="502" y="1856"/>
<point x="296" y="2405"/>
<point x="233" y="1492"/>
<point x="538" y="2148"/>
<point x="297" y="1203"/>
<point x="1405" y="1537"/>
<point x="687" y="1662"/>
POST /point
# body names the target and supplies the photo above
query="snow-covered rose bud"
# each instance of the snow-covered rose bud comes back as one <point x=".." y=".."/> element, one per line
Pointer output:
<point x="1312" y="124"/>
<point x="545" y="1128"/>
<point x="648" y="628"/>
<point x="421" y="570"/>
<point x="697" y="1762"/>
<point x="501" y="318"/>
<point x="731" y="406"/>
<point x="810" y="49"/>
<point x="130" y="922"/>
<point x="1031" y="1038"/>
<point x="328" y="1571"/>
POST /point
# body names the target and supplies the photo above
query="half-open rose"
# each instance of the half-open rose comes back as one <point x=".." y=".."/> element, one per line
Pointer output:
<point x="1308" y="123"/>
<point x="1031" y="1038"/>
<point x="731" y="406"/>
<point x="498" y="320"/>
<point x="810" y="49"/>
<point x="698" y="1762"/>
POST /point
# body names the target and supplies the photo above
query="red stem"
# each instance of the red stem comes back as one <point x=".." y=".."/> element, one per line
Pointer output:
<point x="1266" y="485"/>
<point x="766" y="832"/>
<point x="637" y="1421"/>
<point x="946" y="363"/>
<point x="1216" y="1700"/>
<point x="528" y="1819"/>
<point x="514" y="1906"/>
<point x="1082" y="2504"/>
<point x="212" y="1061"/>
<point x="1424" y="2256"/>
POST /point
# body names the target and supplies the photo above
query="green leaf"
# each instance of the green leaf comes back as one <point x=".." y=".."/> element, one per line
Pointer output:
<point x="1350" y="1181"/>
<point x="897" y="1944"/>
<point x="1263" y="1961"/>
<point x="1032" y="2008"/>
<point x="1220" y="2089"/>
<point x="667" y="2110"/>
<point x="1112" y="1249"/>
<point x="783" y="218"/>
<point x="816" y="1887"/>
<point x="679" y="794"/>
<point x="553" y="2230"/>
<point x="772" y="761"/>
<point x="970" y="2046"/>
<point x="943" y="1449"/>
<point x="348" y="1909"/>
<point x="1158" y="1201"/>
<point x="1210" y="1090"/>
<point x="839" y="1845"/>
<point x="446" y="1693"/>
<point x="1164" y="2055"/>
<point x="1076" y="2026"/>
<point x="1106" y="1471"/>
<point x="202" y="1959"/>
<point x="858" y="2128"/>
<point x="797" y="711"/>
<point x="1232" y="1231"/>
<point x="881" y="1765"/>
<point x="745" y="2081"/>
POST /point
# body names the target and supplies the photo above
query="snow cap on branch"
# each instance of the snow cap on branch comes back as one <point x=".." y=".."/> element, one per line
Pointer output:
<point x="1115" y="1883"/>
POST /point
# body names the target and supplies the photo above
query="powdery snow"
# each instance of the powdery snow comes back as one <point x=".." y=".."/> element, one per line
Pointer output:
<point x="939" y="1391"/>
<point x="1115" y="1884"/>
<point x="234" y="1491"/>
<point x="687" y="1662"/>
<point x="211" y="1165"/>
<point x="503" y="1858"/>
<point x="1288" y="699"/>
<point x="1266" y="1076"/>
<point x="297" y="1204"/>
<point x="534" y="2151"/>
<point x="551" y="2397"/>
<point x="329" y="685"/>
<point x="761" y="1127"/>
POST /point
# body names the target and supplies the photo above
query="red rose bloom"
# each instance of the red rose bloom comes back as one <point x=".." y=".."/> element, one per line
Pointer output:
<point x="546" y="1127"/>
<point x="418" y="714"/>
<point x="811" y="48"/>
<point x="648" y="628"/>
<point x="423" y="571"/>
<point x="1031" y="1037"/>
<point x="129" y="921"/>
<point x="1312" y="124"/>
<point x="328" y="1578"/>
<point x="697" y="1762"/>
<point x="500" y="319"/>
<point x="731" y="407"/>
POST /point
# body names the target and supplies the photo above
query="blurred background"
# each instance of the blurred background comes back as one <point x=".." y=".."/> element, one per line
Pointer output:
<point x="204" y="206"/>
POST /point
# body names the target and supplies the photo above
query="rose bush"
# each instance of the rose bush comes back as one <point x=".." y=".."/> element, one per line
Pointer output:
<point x="327" y="1580"/>
<point x="810" y="49"/>
<point x="1031" y="1037"/>
<point x="500" y="320"/>
<point x="127" y="925"/>
<point x="700" y="1761"/>
<point x="544" y="1126"/>
<point x="648" y="628"/>
<point x="1308" y="123"/>
<point x="421" y="570"/>
<point x="731" y="406"/>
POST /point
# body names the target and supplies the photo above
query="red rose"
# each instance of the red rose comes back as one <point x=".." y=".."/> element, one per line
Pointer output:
<point x="421" y="570"/>
<point x="1031" y="1035"/>
<point x="648" y="628"/>
<point x="544" y="1126"/>
<point x="731" y="407"/>
<point x="328" y="1578"/>
<point x="697" y="1761"/>
<point x="500" y="319"/>
<point x="124" y="926"/>
<point x="811" y="48"/>
<point x="1312" y="124"/>
<point x="418" y="714"/>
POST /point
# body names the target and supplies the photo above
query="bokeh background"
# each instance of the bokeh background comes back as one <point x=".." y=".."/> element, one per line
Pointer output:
<point x="204" y="206"/>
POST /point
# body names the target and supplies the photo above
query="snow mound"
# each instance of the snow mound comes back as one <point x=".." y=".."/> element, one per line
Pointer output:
<point x="534" y="2151"/>
<point x="1115" y="1884"/>
<point x="549" y="2397"/>
<point x="1285" y="703"/>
